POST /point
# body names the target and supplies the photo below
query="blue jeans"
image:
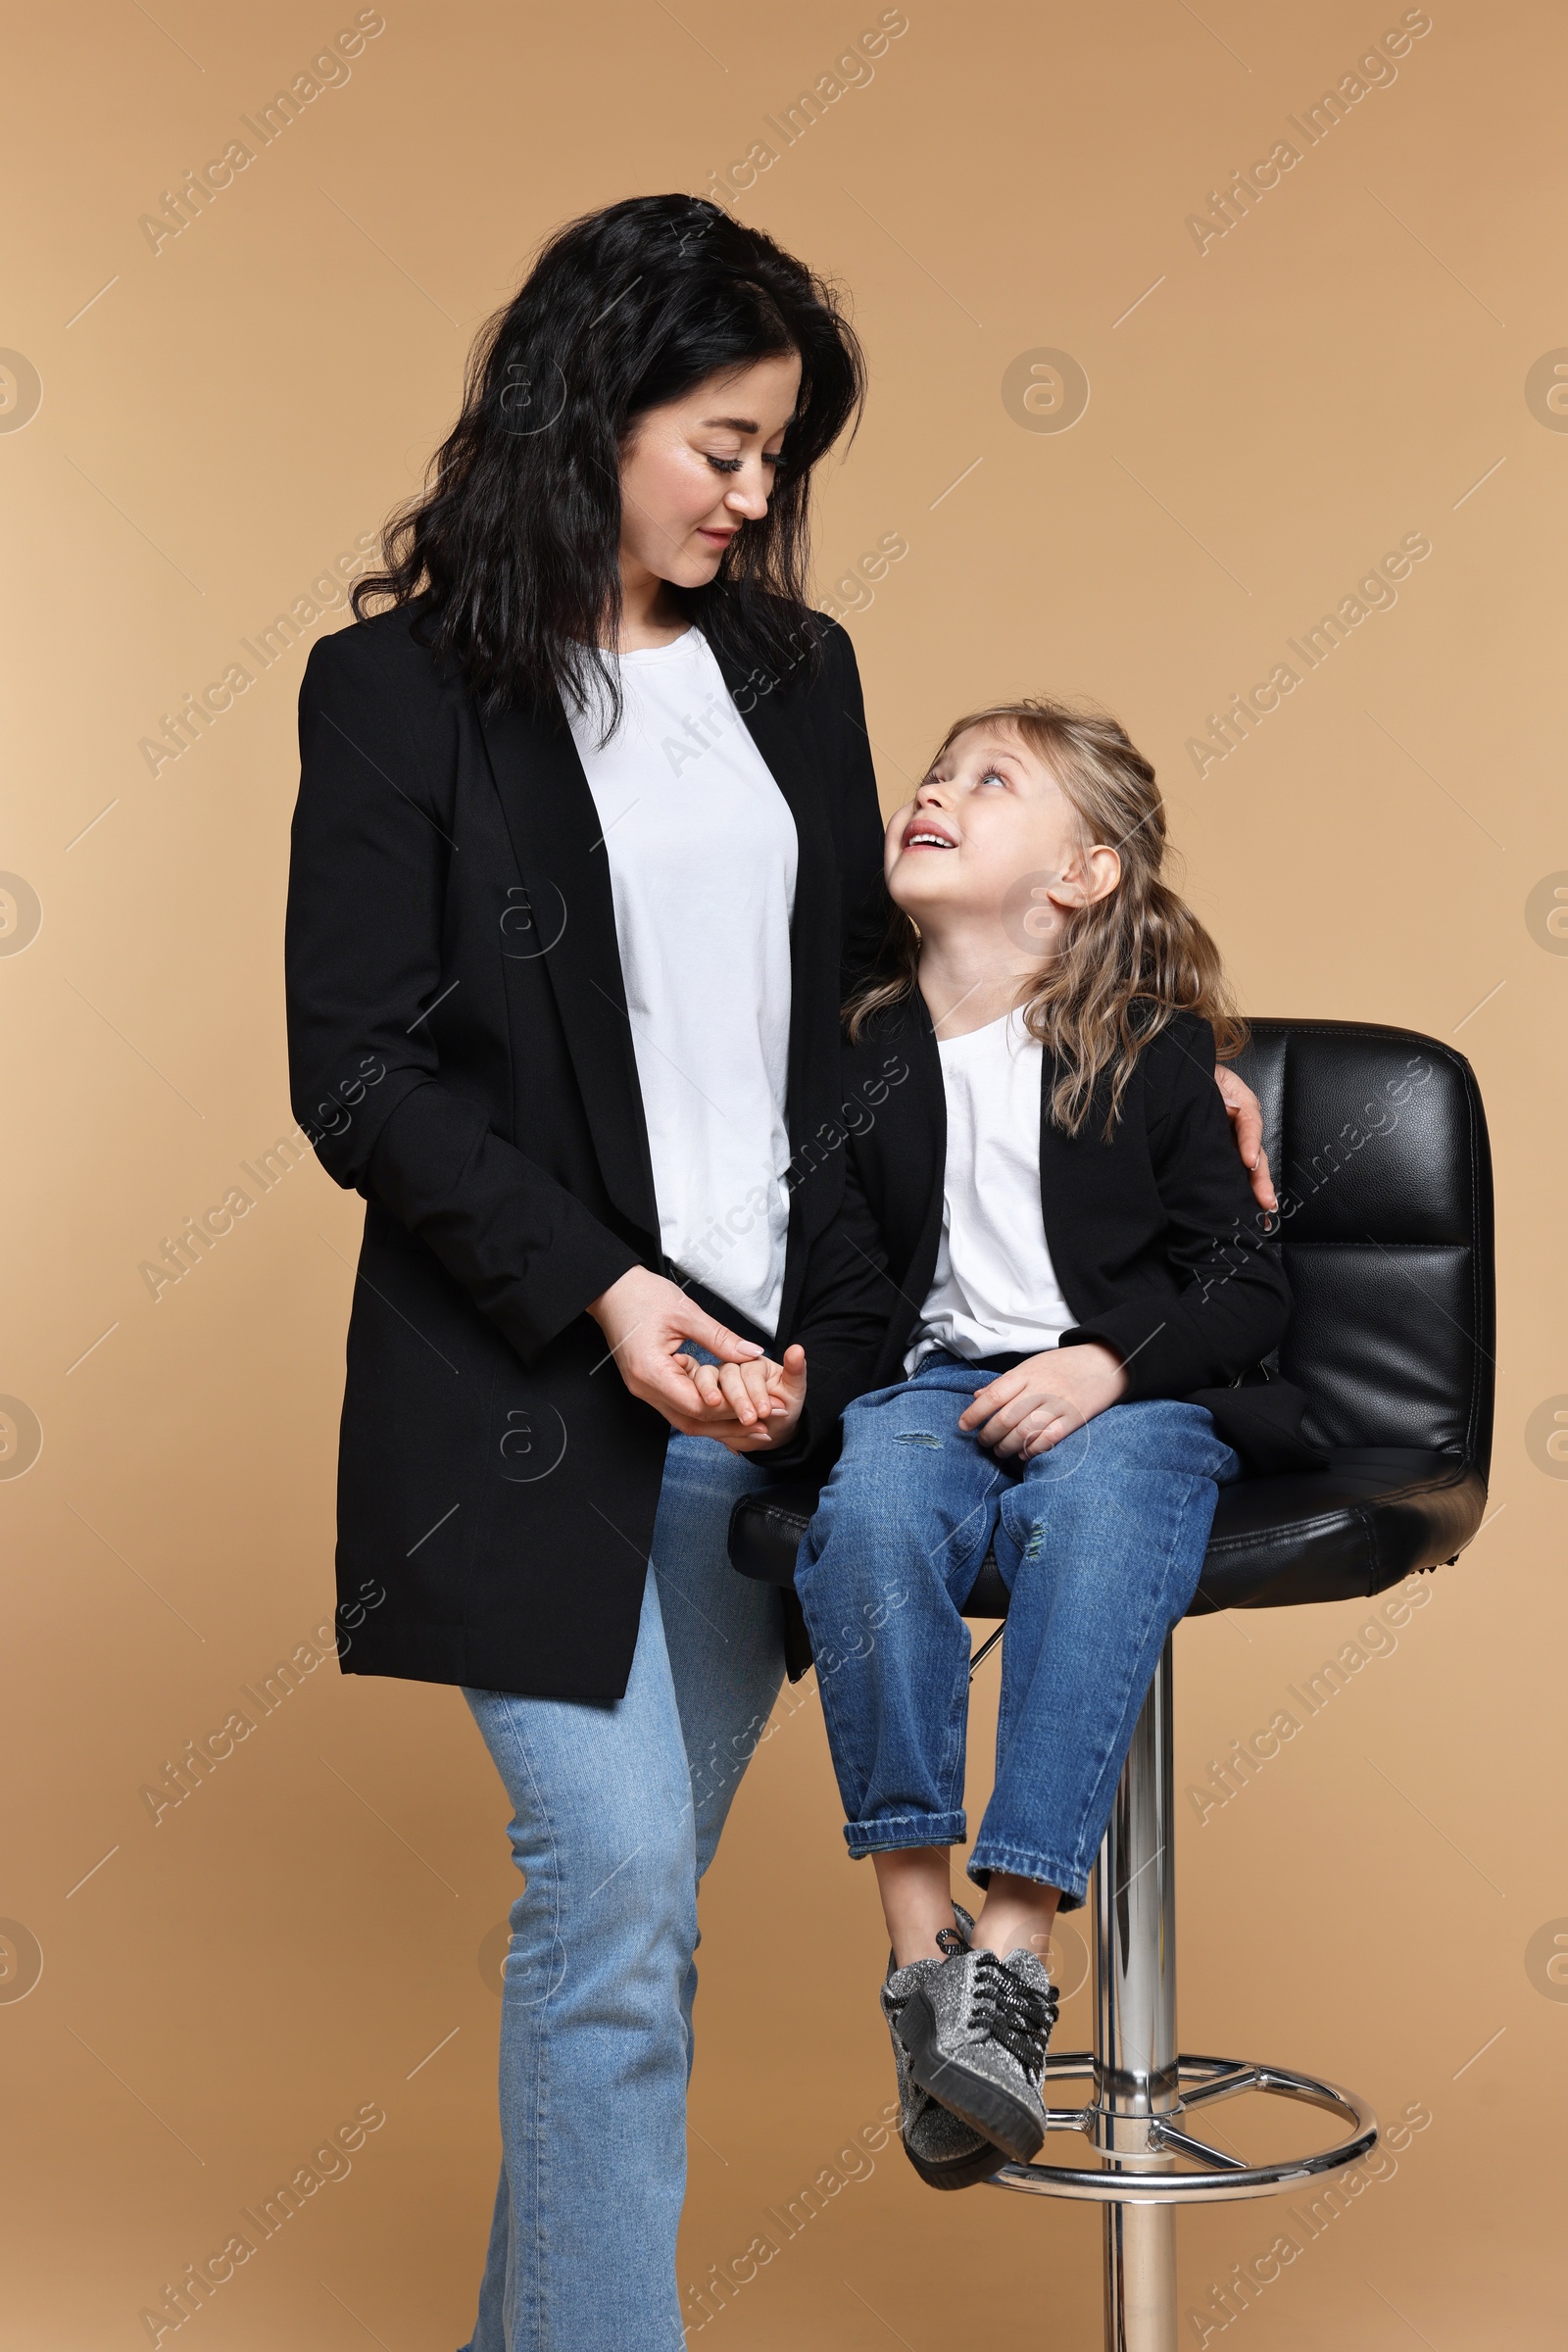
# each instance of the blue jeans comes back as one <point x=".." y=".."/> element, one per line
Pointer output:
<point x="1100" y="1542"/>
<point x="617" y="1813"/>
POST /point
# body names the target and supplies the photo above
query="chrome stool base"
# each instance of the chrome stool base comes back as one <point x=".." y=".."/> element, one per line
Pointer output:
<point x="1142" y="2093"/>
<point x="1149" y="2140"/>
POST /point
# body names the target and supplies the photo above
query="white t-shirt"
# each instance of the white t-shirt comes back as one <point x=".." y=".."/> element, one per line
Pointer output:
<point x="995" y="1286"/>
<point x="703" y="850"/>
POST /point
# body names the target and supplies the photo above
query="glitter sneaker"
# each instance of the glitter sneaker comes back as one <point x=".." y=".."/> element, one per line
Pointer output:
<point x="976" y="2028"/>
<point x="945" y="2151"/>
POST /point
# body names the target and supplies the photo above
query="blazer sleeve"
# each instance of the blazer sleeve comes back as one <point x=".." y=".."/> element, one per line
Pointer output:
<point x="1234" y="1302"/>
<point x="370" y="845"/>
<point x="846" y="1307"/>
<point x="858" y="813"/>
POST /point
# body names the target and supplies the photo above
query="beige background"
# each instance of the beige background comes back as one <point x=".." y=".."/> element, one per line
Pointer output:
<point x="219" y="421"/>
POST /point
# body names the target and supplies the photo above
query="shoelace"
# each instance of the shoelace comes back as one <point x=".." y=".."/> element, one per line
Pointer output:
<point x="1006" y="2010"/>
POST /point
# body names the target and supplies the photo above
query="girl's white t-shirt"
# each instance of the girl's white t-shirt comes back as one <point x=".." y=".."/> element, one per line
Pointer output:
<point x="994" y="1286"/>
<point x="703" y="852"/>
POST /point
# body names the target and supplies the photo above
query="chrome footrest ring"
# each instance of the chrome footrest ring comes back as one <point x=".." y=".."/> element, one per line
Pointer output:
<point x="1150" y="2176"/>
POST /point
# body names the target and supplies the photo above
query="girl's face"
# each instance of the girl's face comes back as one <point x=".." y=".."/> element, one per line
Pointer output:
<point x="697" y="469"/>
<point x="991" y="837"/>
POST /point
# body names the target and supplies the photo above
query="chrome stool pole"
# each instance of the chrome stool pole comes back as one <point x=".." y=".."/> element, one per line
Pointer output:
<point x="1141" y="2094"/>
<point x="1134" y="1899"/>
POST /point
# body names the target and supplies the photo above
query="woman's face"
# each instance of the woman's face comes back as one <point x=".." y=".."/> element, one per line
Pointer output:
<point x="693" y="471"/>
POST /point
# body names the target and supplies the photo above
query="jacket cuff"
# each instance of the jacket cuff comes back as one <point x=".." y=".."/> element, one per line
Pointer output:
<point x="811" y="1448"/>
<point x="551" y="1306"/>
<point x="1149" y="1349"/>
<point x="803" y="1444"/>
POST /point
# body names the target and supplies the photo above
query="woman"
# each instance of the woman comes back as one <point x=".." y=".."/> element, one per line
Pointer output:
<point x="564" y="1007"/>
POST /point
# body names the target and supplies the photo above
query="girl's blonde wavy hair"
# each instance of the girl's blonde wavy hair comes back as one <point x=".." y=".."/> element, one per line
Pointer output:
<point x="1126" y="963"/>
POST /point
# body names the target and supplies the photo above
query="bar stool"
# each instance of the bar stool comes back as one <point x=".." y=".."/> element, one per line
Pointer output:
<point x="1379" y="1147"/>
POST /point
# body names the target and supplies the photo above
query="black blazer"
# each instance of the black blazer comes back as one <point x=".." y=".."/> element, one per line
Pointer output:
<point x="1154" y="1236"/>
<point x="460" y="1053"/>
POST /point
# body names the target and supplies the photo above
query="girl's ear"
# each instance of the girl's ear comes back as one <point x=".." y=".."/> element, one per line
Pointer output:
<point x="1090" y="875"/>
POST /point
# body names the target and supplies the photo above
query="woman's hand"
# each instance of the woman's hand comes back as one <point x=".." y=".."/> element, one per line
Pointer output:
<point x="1041" y="1400"/>
<point x="646" y="1319"/>
<point x="1245" y="1114"/>
<point x="754" y="1405"/>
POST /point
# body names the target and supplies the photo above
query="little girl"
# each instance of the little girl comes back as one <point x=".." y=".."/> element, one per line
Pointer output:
<point x="1069" y="1252"/>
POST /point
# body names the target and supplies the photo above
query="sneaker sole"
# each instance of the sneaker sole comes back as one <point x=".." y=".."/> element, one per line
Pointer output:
<point x="973" y="2098"/>
<point x="961" y="2172"/>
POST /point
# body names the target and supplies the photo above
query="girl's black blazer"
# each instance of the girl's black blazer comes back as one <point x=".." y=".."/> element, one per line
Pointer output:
<point x="460" y="1053"/>
<point x="1154" y="1236"/>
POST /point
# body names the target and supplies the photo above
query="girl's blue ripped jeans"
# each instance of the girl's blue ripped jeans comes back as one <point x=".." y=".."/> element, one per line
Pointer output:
<point x="1100" y="1542"/>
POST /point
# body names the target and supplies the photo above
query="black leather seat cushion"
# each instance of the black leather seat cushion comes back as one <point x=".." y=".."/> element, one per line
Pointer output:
<point x="1340" y="1534"/>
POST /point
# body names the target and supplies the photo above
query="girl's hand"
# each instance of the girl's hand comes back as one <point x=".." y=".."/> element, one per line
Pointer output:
<point x="1041" y="1400"/>
<point x="754" y="1405"/>
<point x="646" y="1319"/>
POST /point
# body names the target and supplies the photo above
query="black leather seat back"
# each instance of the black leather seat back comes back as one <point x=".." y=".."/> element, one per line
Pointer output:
<point x="1378" y="1145"/>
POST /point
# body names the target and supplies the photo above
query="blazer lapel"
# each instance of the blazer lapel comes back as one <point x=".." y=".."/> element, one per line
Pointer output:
<point x="779" y="725"/>
<point x="929" y="1143"/>
<point x="907" y="1150"/>
<point x="1078" y="1198"/>
<point x="555" y="831"/>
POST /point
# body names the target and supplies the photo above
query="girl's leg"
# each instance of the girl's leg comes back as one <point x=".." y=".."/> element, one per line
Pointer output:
<point x="888" y="1558"/>
<point x="1016" y="1915"/>
<point x="617" y="1810"/>
<point x="915" y="1885"/>
<point x="1102" y="1542"/>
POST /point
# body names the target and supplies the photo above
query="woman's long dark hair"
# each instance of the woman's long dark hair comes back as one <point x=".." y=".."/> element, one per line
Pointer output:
<point x="516" y="539"/>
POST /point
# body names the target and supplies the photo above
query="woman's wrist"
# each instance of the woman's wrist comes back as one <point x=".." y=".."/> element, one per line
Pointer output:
<point x="612" y="1300"/>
